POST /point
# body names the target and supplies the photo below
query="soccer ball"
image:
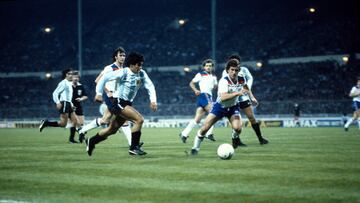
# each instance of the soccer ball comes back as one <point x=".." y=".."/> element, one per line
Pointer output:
<point x="225" y="151"/>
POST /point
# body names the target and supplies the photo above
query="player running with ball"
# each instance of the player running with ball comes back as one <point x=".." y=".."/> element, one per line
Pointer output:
<point x="230" y="88"/>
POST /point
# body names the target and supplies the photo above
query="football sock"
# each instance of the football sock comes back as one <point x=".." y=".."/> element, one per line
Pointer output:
<point x="210" y="131"/>
<point x="72" y="133"/>
<point x="197" y="141"/>
<point x="93" y="124"/>
<point x="188" y="128"/>
<point x="256" y="128"/>
<point x="135" y="139"/>
<point x="234" y="134"/>
<point x="127" y="132"/>
<point x="97" y="138"/>
<point x="348" y="123"/>
<point x="52" y="123"/>
<point x="358" y="121"/>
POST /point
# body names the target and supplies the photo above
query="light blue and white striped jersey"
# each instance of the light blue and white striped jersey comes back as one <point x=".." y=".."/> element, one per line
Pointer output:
<point x="244" y="72"/>
<point x="127" y="84"/>
<point x="63" y="92"/>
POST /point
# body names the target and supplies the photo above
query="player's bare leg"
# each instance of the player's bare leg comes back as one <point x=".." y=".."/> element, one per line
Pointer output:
<point x="356" y="116"/>
<point x="236" y="124"/>
<point x="254" y="124"/>
<point x="209" y="134"/>
<point x="199" y="113"/>
<point x="131" y="114"/>
<point x="102" y="135"/>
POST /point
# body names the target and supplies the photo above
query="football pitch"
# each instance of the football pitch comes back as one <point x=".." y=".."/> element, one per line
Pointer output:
<point x="299" y="165"/>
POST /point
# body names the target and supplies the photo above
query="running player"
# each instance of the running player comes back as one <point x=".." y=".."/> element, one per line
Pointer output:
<point x="230" y="88"/>
<point x="128" y="82"/>
<point x="355" y="94"/>
<point x="118" y="58"/>
<point x="207" y="82"/>
<point x="245" y="102"/>
<point x="62" y="97"/>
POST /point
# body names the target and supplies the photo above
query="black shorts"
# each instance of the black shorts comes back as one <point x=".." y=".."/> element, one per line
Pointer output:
<point x="118" y="105"/>
<point x="244" y="104"/>
<point x="79" y="110"/>
<point x="66" y="107"/>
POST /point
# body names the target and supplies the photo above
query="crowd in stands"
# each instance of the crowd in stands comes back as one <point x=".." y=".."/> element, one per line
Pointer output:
<point x="255" y="31"/>
<point x="320" y="88"/>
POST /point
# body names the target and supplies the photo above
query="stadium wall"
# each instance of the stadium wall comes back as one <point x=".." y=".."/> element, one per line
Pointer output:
<point x="288" y="122"/>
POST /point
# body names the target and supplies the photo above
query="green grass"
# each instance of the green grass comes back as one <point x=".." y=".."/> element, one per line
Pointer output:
<point x="299" y="165"/>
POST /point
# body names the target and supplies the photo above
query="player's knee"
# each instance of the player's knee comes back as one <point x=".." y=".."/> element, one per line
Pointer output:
<point x="237" y="130"/>
<point x="252" y="120"/>
<point x="139" y="120"/>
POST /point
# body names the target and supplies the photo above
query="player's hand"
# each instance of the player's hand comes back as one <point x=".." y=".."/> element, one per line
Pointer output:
<point x="109" y="94"/>
<point x="254" y="102"/>
<point x="78" y="99"/>
<point x="197" y="92"/>
<point x="59" y="106"/>
<point x="243" y="92"/>
<point x="98" y="98"/>
<point x="153" y="106"/>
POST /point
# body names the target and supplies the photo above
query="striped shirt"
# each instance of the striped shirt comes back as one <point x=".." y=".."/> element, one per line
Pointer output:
<point x="63" y="92"/>
<point x="127" y="84"/>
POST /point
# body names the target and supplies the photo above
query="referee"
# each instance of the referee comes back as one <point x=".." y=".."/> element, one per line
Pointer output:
<point x="79" y="95"/>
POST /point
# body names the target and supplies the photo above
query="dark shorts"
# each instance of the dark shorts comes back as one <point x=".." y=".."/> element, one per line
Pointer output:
<point x="244" y="104"/>
<point x="118" y="105"/>
<point x="66" y="107"/>
<point x="79" y="110"/>
<point x="356" y="105"/>
<point x="203" y="100"/>
<point x="221" y="112"/>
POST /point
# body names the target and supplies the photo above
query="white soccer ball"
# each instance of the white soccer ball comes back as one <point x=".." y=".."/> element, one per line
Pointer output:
<point x="225" y="151"/>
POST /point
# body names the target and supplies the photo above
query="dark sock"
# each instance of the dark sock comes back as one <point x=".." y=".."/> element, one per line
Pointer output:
<point x="52" y="123"/>
<point x="135" y="139"/>
<point x="256" y="128"/>
<point x="97" y="138"/>
<point x="72" y="133"/>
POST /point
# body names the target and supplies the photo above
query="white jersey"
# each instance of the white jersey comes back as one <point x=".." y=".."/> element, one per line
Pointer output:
<point x="63" y="92"/>
<point x="355" y="89"/>
<point x="226" y="85"/>
<point x="207" y="82"/>
<point x="245" y="73"/>
<point x="110" y="85"/>
<point x="127" y="84"/>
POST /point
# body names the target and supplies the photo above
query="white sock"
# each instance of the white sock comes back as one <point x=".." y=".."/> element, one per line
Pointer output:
<point x="210" y="131"/>
<point x="93" y="124"/>
<point x="127" y="132"/>
<point x="188" y="128"/>
<point x="197" y="141"/>
<point x="348" y="123"/>
<point x="358" y="120"/>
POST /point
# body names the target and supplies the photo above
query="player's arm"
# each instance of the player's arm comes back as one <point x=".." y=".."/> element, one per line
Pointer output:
<point x="251" y="96"/>
<point x="56" y="92"/>
<point x="149" y="86"/>
<point x="106" y="70"/>
<point x="249" y="78"/>
<point x="99" y="76"/>
<point x="101" y="85"/>
<point x="192" y="83"/>
<point x="224" y="94"/>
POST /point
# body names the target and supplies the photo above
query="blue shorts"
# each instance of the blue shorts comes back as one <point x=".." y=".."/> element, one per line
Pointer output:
<point x="356" y="105"/>
<point x="108" y="101"/>
<point x="221" y="112"/>
<point x="204" y="99"/>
